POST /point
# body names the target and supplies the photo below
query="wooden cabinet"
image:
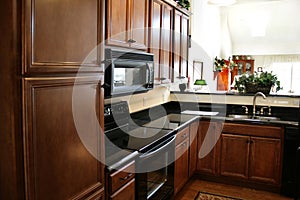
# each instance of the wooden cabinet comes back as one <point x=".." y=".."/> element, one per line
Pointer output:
<point x="180" y="44"/>
<point x="127" y="23"/>
<point x="193" y="150"/>
<point x="181" y="167"/>
<point x="265" y="160"/>
<point x="208" y="147"/>
<point x="121" y="183"/>
<point x="59" y="36"/>
<point x="161" y="39"/>
<point x="62" y="138"/>
<point x="252" y="153"/>
<point x="244" y="66"/>
<point x="235" y="156"/>
<point x="43" y="153"/>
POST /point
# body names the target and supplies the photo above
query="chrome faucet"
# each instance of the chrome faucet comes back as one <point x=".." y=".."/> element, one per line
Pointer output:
<point x="254" y="101"/>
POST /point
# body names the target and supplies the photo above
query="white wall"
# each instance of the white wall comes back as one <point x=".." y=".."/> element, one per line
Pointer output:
<point x="278" y="21"/>
<point x="206" y="39"/>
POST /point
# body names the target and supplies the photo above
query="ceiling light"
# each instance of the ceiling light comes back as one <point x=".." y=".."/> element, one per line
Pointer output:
<point x="222" y="2"/>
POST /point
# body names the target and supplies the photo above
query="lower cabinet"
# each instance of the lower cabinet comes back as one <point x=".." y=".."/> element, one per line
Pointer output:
<point x="193" y="150"/>
<point x="244" y="153"/>
<point x="121" y="183"/>
<point x="208" y="147"/>
<point x="181" y="168"/>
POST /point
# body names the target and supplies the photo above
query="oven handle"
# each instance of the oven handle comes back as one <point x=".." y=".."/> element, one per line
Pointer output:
<point x="172" y="139"/>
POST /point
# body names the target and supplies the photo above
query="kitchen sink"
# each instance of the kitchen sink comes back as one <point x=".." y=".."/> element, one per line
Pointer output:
<point x="250" y="117"/>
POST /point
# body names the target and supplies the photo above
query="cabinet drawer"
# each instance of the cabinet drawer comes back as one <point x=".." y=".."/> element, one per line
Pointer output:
<point x="182" y="135"/>
<point x="121" y="177"/>
<point x="253" y="130"/>
<point x="127" y="192"/>
<point x="181" y="148"/>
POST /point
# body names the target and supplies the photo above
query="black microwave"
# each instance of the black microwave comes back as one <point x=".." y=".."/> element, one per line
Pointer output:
<point x="128" y="72"/>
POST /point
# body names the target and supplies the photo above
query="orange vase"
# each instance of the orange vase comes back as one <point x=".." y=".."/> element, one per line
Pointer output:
<point x="223" y="79"/>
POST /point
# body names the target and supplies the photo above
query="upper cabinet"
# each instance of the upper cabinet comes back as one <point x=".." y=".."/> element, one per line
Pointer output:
<point x="62" y="36"/>
<point x="161" y="39"/>
<point x="127" y="23"/>
<point x="181" y="38"/>
<point x="245" y="64"/>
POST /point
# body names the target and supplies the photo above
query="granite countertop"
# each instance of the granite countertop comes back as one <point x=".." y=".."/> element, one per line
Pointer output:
<point x="231" y="93"/>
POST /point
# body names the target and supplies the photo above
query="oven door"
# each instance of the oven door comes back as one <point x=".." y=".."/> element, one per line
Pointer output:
<point x="155" y="171"/>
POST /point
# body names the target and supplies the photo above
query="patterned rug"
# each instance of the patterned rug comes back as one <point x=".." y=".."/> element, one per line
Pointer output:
<point x="209" y="196"/>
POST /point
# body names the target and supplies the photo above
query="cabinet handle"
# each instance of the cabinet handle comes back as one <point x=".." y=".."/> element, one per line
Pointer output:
<point x="131" y="41"/>
<point x="126" y="177"/>
<point x="184" y="136"/>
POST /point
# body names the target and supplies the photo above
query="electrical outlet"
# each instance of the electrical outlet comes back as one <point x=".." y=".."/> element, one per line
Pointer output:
<point x="144" y="101"/>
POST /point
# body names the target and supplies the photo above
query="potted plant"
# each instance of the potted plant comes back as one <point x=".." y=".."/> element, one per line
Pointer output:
<point x="183" y="3"/>
<point x="257" y="82"/>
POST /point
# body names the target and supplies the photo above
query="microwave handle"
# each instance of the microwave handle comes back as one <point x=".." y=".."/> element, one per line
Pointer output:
<point x="149" y="73"/>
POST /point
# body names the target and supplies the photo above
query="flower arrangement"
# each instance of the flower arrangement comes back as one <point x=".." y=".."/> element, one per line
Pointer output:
<point x="221" y="64"/>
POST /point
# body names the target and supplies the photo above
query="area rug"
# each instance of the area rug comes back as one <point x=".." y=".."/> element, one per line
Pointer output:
<point x="209" y="196"/>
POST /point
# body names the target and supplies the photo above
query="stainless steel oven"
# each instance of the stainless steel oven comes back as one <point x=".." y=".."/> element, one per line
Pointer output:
<point x="155" y="171"/>
<point x="155" y="147"/>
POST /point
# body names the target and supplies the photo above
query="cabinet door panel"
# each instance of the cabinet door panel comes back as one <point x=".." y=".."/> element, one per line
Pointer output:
<point x="177" y="46"/>
<point x="184" y="46"/>
<point x="155" y="44"/>
<point x="167" y="35"/>
<point x="139" y="23"/>
<point x="209" y="163"/>
<point x="193" y="147"/>
<point x="57" y="163"/>
<point x="60" y="34"/>
<point x="117" y="24"/>
<point x="181" y="168"/>
<point x="234" y="156"/>
<point x="265" y="160"/>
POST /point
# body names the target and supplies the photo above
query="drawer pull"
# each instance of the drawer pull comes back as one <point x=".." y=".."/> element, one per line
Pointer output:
<point x="126" y="177"/>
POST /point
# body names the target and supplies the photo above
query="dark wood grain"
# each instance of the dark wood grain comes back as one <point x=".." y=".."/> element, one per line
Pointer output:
<point x="58" y="164"/>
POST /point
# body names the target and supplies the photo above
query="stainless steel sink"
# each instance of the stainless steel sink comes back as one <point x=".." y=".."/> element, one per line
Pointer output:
<point x="250" y="117"/>
<point x="239" y="116"/>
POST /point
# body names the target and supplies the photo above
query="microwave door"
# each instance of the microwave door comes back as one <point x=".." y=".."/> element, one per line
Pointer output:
<point x="129" y="77"/>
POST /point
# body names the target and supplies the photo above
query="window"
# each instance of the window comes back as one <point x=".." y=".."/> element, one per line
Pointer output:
<point x="289" y="76"/>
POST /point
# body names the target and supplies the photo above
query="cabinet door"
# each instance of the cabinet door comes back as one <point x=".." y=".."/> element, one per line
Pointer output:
<point x="127" y="22"/>
<point x="161" y="39"/>
<point x="139" y="24"/>
<point x="177" y="45"/>
<point x="180" y="54"/>
<point x="193" y="148"/>
<point x="210" y="147"/>
<point x="181" y="168"/>
<point x="265" y="160"/>
<point x="61" y="133"/>
<point x="234" y="157"/>
<point x="184" y="45"/>
<point x="117" y="22"/>
<point x="156" y="36"/>
<point x="166" y="45"/>
<point x="60" y="34"/>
